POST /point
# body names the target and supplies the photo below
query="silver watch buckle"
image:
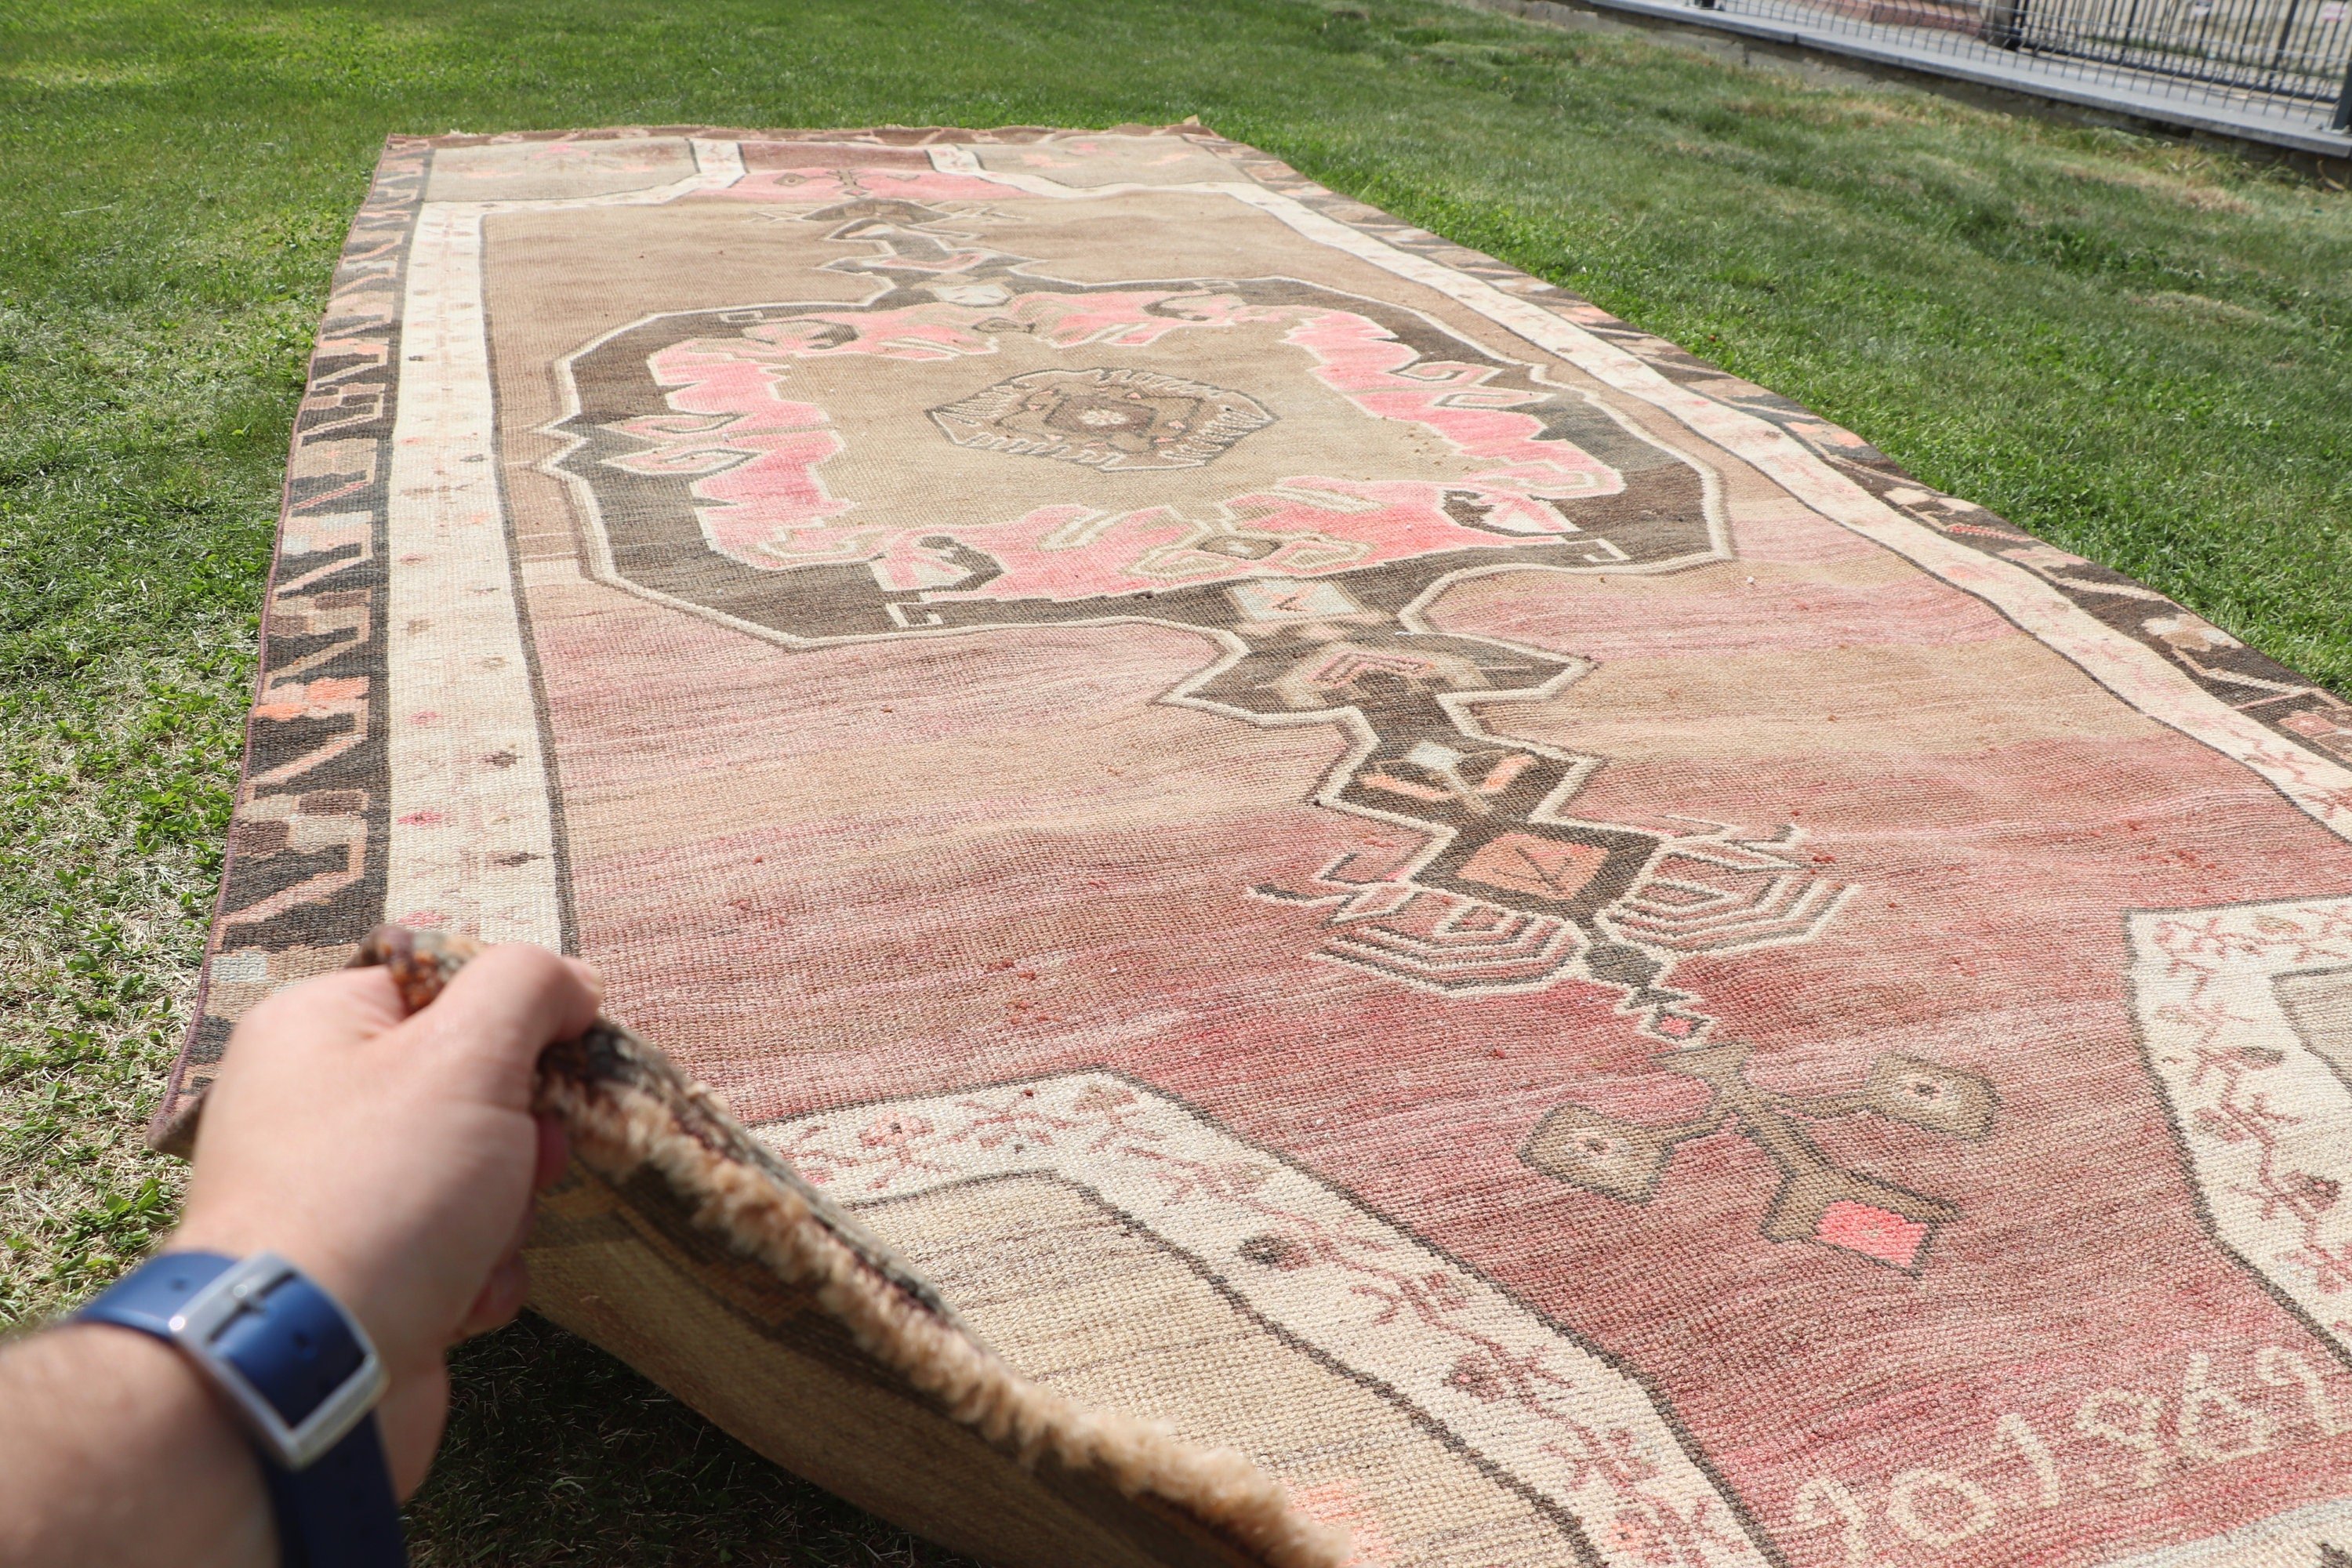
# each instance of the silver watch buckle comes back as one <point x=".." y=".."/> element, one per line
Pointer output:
<point x="197" y="1326"/>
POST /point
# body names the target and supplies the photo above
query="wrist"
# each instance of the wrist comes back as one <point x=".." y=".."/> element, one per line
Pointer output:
<point x="233" y="1233"/>
<point x="412" y="1356"/>
<point x="300" y="1376"/>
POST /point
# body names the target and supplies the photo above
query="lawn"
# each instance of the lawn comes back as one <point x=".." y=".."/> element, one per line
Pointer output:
<point x="2140" y="350"/>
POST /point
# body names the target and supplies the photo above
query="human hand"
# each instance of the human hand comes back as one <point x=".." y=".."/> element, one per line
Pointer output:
<point x="393" y="1158"/>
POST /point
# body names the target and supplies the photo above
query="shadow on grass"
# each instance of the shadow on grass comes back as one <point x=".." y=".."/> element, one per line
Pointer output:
<point x="559" y="1453"/>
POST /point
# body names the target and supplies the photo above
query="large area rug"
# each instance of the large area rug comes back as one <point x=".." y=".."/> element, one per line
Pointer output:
<point x="1340" y="849"/>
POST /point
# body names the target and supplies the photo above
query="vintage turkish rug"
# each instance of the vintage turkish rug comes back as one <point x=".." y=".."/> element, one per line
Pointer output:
<point x="1343" y="850"/>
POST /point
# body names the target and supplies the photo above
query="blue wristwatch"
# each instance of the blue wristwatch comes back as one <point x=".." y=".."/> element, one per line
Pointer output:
<point x="302" y="1377"/>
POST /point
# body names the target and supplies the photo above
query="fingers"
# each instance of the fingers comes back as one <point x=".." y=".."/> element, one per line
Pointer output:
<point x="343" y="1006"/>
<point x="506" y="1006"/>
<point x="501" y="1296"/>
<point x="507" y="1289"/>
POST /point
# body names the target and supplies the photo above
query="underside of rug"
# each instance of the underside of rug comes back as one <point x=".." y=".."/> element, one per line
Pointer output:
<point x="1364" y="897"/>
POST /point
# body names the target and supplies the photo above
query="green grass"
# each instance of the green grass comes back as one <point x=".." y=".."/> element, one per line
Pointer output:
<point x="2142" y="351"/>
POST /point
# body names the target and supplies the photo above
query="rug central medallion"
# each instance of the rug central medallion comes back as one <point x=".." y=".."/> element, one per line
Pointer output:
<point x="776" y="464"/>
<point x="1108" y="418"/>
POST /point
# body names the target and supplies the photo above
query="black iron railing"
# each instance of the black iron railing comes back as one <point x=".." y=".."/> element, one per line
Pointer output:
<point x="2285" y="59"/>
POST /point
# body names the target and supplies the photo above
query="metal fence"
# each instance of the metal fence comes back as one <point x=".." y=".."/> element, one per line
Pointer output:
<point x="2290" y="59"/>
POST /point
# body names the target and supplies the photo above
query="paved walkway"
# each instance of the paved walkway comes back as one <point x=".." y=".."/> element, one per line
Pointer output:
<point x="2142" y="95"/>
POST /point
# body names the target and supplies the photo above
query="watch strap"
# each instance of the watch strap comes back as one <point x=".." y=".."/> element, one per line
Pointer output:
<point x="302" y="1374"/>
<point x="339" y="1513"/>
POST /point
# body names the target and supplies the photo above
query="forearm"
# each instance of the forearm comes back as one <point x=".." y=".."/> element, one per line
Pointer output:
<point x="113" y="1451"/>
<point x="389" y="1158"/>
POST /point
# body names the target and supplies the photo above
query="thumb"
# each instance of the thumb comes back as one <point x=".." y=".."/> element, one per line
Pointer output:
<point x="502" y="1009"/>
